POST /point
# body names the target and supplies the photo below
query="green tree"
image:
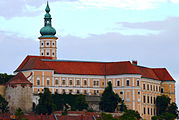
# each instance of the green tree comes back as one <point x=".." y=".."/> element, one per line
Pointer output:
<point x="81" y="103"/>
<point x="173" y="109"/>
<point x="3" y="105"/>
<point x="123" y="107"/>
<point x="109" y="99"/>
<point x="46" y="104"/>
<point x="130" y="115"/>
<point x="4" y="78"/>
<point x="19" y="114"/>
<point x="107" y="117"/>
<point x="162" y="103"/>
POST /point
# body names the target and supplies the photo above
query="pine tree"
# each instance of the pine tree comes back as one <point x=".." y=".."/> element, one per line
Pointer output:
<point x="109" y="99"/>
<point x="46" y="105"/>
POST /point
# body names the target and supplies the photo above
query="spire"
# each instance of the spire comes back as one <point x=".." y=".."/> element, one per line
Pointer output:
<point x="47" y="9"/>
<point x="47" y="30"/>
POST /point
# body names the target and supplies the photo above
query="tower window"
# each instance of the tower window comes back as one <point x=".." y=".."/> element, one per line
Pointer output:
<point x="47" y="44"/>
<point x="42" y="53"/>
<point x="47" y="53"/>
<point x="53" y="44"/>
<point x="42" y="44"/>
<point x="53" y="53"/>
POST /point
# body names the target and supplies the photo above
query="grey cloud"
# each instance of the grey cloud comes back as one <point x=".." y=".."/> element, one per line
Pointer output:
<point x="168" y="24"/>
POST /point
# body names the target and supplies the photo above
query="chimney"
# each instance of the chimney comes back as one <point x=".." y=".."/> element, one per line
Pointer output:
<point x="134" y="62"/>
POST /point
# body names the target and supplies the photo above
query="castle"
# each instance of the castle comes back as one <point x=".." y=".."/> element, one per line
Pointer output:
<point x="137" y="85"/>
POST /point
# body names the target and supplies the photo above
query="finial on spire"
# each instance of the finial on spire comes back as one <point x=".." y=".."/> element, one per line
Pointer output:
<point x="47" y="9"/>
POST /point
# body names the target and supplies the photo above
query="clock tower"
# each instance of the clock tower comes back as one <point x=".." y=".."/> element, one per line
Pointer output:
<point x="48" y="40"/>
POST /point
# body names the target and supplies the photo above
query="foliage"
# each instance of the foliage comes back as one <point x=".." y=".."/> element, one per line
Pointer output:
<point x="4" y="78"/>
<point x="46" y="104"/>
<point x="130" y="115"/>
<point x="76" y="102"/>
<point x="3" y="105"/>
<point x="164" y="116"/>
<point x="162" y="103"/>
<point x="19" y="114"/>
<point x="107" y="117"/>
<point x="109" y="99"/>
<point x="173" y="109"/>
<point x="123" y="107"/>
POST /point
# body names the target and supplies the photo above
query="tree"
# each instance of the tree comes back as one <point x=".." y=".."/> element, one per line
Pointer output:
<point x="173" y="109"/>
<point x="109" y="99"/>
<point x="164" y="116"/>
<point x="81" y="103"/>
<point x="162" y="103"/>
<point x="123" y="107"/>
<point x="46" y="104"/>
<point x="3" y="105"/>
<point x="107" y="117"/>
<point x="4" y="78"/>
<point x="130" y="115"/>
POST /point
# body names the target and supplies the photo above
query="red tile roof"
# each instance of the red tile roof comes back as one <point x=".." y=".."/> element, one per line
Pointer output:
<point x="18" y="79"/>
<point x="91" y="68"/>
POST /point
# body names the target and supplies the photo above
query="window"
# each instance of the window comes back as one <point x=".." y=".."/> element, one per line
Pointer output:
<point x="154" y="111"/>
<point x="144" y="110"/>
<point x="85" y="82"/>
<point x="53" y="43"/>
<point x="147" y="99"/>
<point x="95" y="83"/>
<point x="63" y="82"/>
<point x="154" y="100"/>
<point x="47" y="53"/>
<point x="139" y="92"/>
<point x="42" y="53"/>
<point x="137" y="82"/>
<point x="48" y="81"/>
<point x="56" y="81"/>
<point x="53" y="53"/>
<point x="147" y="86"/>
<point x="70" y="91"/>
<point x="63" y="91"/>
<point x="78" y="82"/>
<point x="127" y="83"/>
<point x="38" y="81"/>
<point x="151" y="87"/>
<point x="70" y="82"/>
<point x="85" y="92"/>
<point x="56" y="90"/>
<point x="47" y="43"/>
<point x="143" y="86"/>
<point x="144" y="98"/>
<point x="151" y="99"/>
<point x="161" y="90"/>
<point x="157" y="88"/>
<point x="118" y="83"/>
<point x="96" y="92"/>
<point x="42" y="43"/>
<point x="78" y="91"/>
<point x="151" y="111"/>
<point x="148" y="111"/>
<point x="38" y="91"/>
<point x="154" y="87"/>
<point x="121" y="92"/>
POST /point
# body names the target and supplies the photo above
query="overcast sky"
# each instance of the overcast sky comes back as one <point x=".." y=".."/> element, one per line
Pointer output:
<point x="97" y="30"/>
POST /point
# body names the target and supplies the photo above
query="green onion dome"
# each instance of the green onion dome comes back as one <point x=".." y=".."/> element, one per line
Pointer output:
<point x="47" y="30"/>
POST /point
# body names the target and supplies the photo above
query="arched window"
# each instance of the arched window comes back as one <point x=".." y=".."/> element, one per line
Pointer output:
<point x="127" y="82"/>
<point x="38" y="81"/>
<point x="118" y="82"/>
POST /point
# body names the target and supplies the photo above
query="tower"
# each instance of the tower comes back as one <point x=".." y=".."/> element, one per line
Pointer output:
<point x="48" y="40"/>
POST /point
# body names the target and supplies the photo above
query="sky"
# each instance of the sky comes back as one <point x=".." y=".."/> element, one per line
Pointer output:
<point x="94" y="30"/>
